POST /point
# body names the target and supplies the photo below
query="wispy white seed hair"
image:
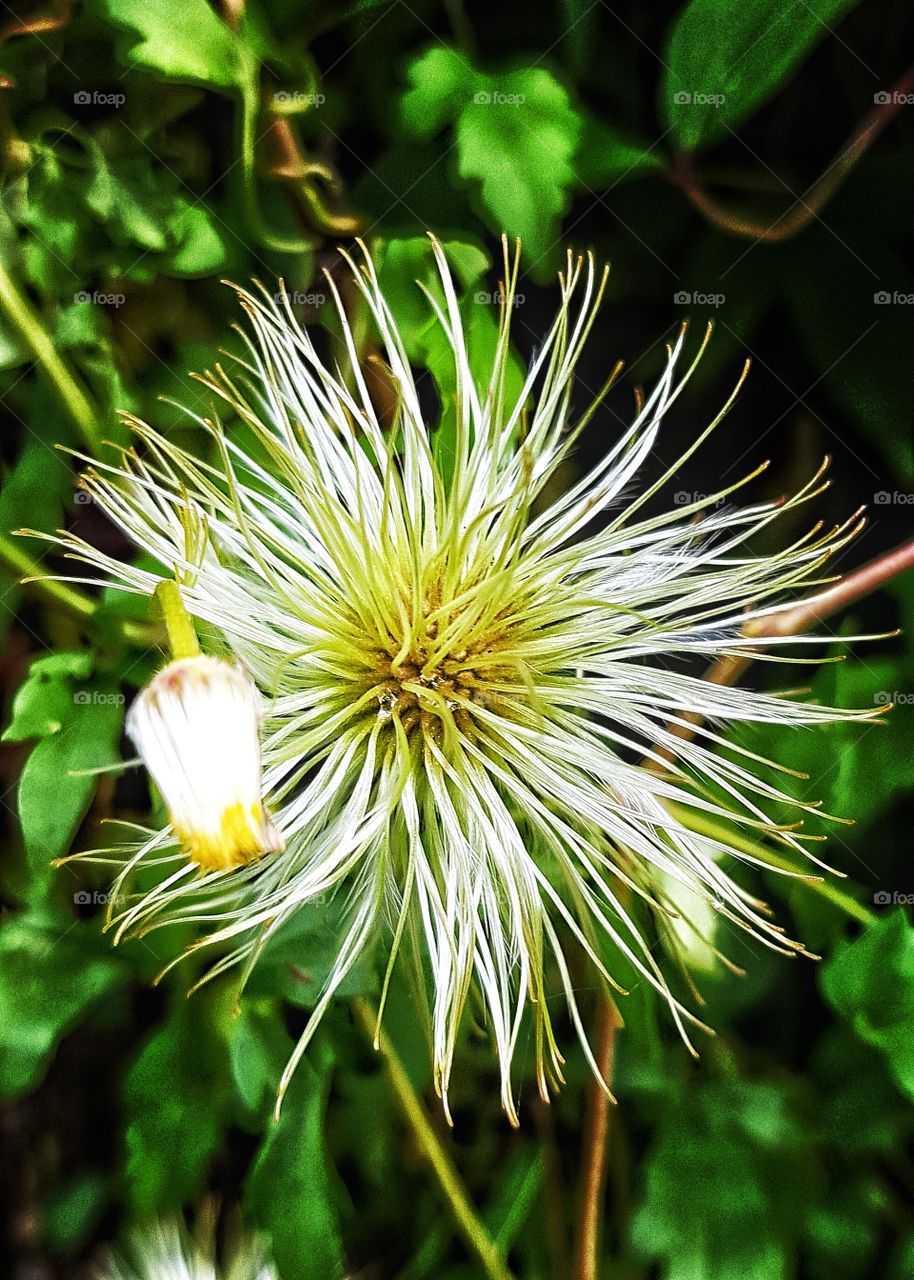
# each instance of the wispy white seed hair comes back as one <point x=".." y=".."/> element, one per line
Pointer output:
<point x="464" y="671"/>
<point x="166" y="1251"/>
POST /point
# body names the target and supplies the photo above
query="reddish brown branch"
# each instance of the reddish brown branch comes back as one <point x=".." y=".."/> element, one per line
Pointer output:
<point x="807" y="207"/>
<point x="805" y="615"/>
<point x="291" y="166"/>
<point x="725" y="671"/>
<point x="593" y="1151"/>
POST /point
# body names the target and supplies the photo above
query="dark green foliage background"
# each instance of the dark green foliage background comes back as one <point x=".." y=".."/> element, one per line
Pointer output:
<point x="152" y="147"/>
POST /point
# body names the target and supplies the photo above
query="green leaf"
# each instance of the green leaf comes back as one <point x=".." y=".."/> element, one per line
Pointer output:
<point x="200" y="245"/>
<point x="863" y="1119"/>
<point x="717" y="1203"/>
<point x="609" y="156"/>
<point x="13" y="352"/>
<point x="440" y="80"/>
<point x="151" y="211"/>
<point x="79" y="729"/>
<point x="73" y="1212"/>
<point x="34" y="491"/>
<point x="301" y="954"/>
<point x="870" y="982"/>
<point x="404" y="262"/>
<point x="521" y="147"/>
<point x="518" y="1190"/>
<point x="51" y="213"/>
<point x="176" y="1097"/>
<point x="517" y="135"/>
<point x="872" y="766"/>
<point x="51" y="973"/>
<point x="289" y="1193"/>
<point x="725" y="59"/>
<point x="864" y="768"/>
<point x="260" y="1049"/>
<point x="129" y="204"/>
<point x="44" y="702"/>
<point x="182" y="39"/>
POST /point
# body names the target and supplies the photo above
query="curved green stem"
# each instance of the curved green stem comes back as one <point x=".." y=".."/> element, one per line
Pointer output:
<point x="62" y="593"/>
<point x="18" y="313"/>
<point x="448" y="1178"/>
<point x="249" y="109"/>
<point x="68" y="597"/>
<point x="182" y="638"/>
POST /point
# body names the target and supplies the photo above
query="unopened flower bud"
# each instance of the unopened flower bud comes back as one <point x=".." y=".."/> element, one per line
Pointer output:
<point x="196" y="726"/>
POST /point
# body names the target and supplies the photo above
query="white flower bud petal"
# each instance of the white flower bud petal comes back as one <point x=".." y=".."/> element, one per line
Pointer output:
<point x="197" y="727"/>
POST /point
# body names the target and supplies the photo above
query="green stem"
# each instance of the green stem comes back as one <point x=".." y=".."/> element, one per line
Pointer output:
<point x="20" y="317"/>
<point x="21" y="562"/>
<point x="701" y="823"/>
<point x="443" y="1167"/>
<point x="70" y="598"/>
<point x="249" y="109"/>
<point x="182" y="638"/>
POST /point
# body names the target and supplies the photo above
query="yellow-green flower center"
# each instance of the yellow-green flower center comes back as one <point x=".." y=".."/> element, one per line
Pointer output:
<point x="425" y="683"/>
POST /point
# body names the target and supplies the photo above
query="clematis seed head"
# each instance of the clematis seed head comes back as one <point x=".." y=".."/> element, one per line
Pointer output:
<point x="465" y="666"/>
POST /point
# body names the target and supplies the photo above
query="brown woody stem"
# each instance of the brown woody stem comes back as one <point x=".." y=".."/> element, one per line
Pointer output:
<point x="808" y="206"/>
<point x="725" y="671"/>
